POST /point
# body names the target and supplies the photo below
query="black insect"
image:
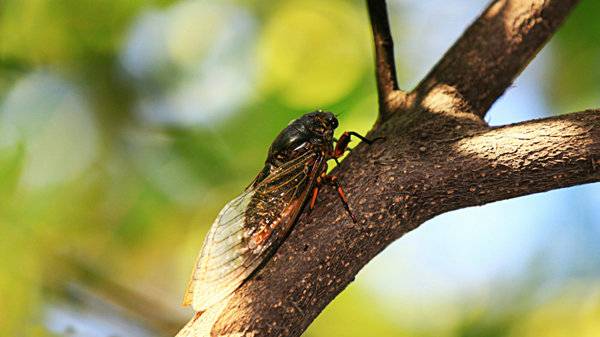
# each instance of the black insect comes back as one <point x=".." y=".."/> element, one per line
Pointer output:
<point x="250" y="227"/>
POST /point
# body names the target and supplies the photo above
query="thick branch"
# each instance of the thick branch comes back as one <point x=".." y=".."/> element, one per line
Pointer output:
<point x="521" y="159"/>
<point x="492" y="52"/>
<point x="385" y="68"/>
<point x="393" y="187"/>
<point x="422" y="170"/>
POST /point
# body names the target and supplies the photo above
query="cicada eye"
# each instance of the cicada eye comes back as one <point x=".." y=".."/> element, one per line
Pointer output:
<point x="334" y="122"/>
<point x="331" y="121"/>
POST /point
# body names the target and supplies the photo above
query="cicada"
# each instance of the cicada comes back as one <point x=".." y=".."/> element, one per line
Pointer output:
<point x="250" y="227"/>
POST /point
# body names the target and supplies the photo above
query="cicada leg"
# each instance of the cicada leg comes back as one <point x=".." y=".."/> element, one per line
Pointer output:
<point x="341" y="144"/>
<point x="316" y="189"/>
<point x="313" y="200"/>
<point x="333" y="181"/>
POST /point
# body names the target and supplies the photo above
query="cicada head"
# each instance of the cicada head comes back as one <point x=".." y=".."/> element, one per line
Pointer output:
<point x="311" y="132"/>
<point x="320" y="124"/>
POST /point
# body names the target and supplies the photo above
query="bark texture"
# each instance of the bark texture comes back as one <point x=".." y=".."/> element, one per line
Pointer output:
<point x="438" y="155"/>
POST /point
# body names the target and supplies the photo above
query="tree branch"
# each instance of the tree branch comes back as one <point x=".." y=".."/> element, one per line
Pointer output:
<point x="422" y="169"/>
<point x="393" y="187"/>
<point x="521" y="159"/>
<point x="492" y="52"/>
<point x="385" y="68"/>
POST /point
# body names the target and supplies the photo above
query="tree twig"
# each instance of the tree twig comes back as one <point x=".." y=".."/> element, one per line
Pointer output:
<point x="385" y="68"/>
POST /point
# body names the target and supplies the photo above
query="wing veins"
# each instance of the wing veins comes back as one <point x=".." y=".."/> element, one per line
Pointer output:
<point x="206" y="278"/>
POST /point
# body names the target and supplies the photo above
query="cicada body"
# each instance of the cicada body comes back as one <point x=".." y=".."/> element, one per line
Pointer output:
<point x="251" y="226"/>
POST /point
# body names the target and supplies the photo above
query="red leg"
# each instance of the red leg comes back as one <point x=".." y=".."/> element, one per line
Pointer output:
<point x="313" y="200"/>
<point x="341" y="145"/>
<point x="315" y="191"/>
<point x="332" y="180"/>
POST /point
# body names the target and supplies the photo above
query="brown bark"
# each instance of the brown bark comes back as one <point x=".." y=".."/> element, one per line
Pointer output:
<point x="438" y="156"/>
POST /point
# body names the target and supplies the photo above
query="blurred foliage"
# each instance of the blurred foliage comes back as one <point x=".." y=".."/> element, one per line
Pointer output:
<point x="126" y="125"/>
<point x="574" y="312"/>
<point x="348" y="315"/>
<point x="296" y="49"/>
<point x="575" y="77"/>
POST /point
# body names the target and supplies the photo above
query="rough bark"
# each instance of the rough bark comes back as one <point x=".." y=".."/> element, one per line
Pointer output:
<point x="439" y="155"/>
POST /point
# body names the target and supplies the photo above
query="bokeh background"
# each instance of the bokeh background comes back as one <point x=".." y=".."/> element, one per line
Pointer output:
<point x="125" y="125"/>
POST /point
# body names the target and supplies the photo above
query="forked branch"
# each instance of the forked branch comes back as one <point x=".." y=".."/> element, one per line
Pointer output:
<point x="421" y="170"/>
<point x="394" y="187"/>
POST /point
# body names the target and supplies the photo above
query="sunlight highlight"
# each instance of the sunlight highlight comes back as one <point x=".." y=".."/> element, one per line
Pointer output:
<point x="522" y="144"/>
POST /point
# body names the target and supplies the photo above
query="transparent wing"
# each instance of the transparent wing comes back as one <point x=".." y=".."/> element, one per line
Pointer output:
<point x="248" y="229"/>
<point x="221" y="251"/>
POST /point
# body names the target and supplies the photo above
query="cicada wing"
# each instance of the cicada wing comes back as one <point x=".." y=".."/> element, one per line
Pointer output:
<point x="248" y="229"/>
<point x="222" y="252"/>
